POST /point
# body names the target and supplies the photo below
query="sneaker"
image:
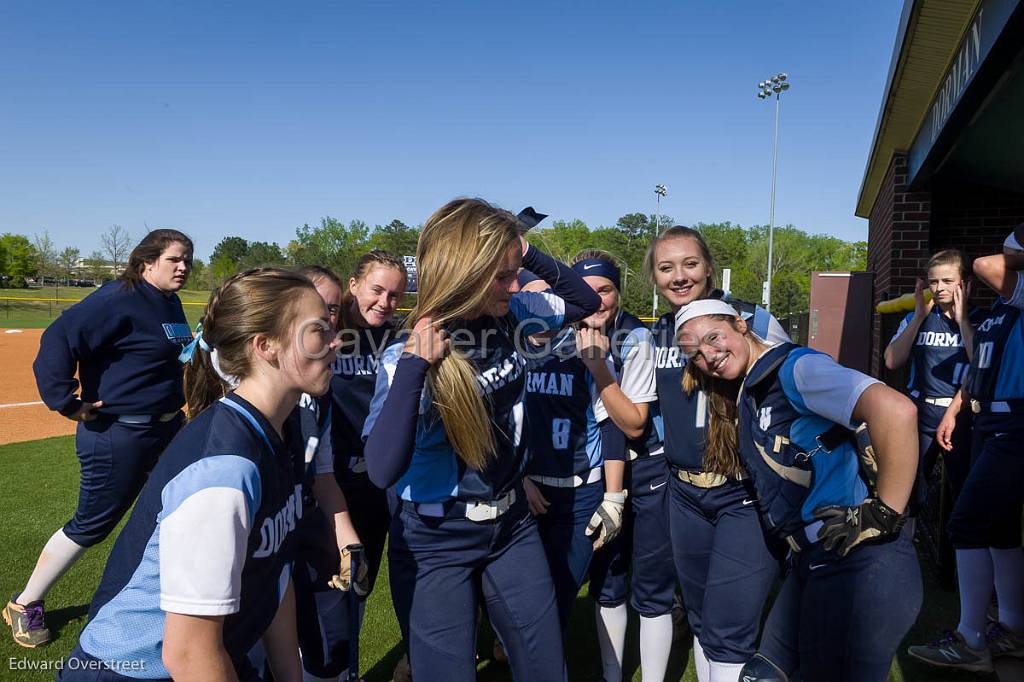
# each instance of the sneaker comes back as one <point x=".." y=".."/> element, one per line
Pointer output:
<point x="951" y="651"/>
<point x="1002" y="641"/>
<point x="402" y="671"/>
<point x="27" y="624"/>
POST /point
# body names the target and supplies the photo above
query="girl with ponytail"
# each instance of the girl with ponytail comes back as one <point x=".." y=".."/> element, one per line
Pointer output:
<point x="446" y="432"/>
<point x="202" y="570"/>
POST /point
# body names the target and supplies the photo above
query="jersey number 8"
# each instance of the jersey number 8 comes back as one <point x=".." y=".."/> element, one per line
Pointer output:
<point x="560" y="433"/>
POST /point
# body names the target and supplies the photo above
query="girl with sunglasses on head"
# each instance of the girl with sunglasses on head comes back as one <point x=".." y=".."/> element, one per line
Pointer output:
<point x="446" y="432"/>
<point x="785" y="415"/>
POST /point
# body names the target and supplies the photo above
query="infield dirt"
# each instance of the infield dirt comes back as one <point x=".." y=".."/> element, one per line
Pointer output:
<point x="22" y="414"/>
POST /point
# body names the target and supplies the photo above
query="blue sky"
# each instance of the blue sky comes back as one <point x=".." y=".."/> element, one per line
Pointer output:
<point x="252" y="118"/>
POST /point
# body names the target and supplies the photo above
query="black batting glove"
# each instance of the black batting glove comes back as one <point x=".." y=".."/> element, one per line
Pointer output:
<point x="847" y="527"/>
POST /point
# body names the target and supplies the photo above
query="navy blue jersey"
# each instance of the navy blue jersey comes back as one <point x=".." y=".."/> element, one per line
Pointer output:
<point x="124" y="343"/>
<point x="563" y="438"/>
<point x="355" y="376"/>
<point x="435" y="473"/>
<point x="211" y="535"/>
<point x="938" y="361"/>
<point x="312" y="419"/>
<point x="790" y="397"/>
<point x="997" y="364"/>
<point x="683" y="417"/>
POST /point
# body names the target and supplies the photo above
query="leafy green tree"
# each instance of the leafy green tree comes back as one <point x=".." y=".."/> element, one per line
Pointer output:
<point x="395" y="237"/>
<point x="21" y="260"/>
<point x="332" y="244"/>
<point x="261" y="254"/>
<point x="229" y="250"/>
<point x="68" y="260"/>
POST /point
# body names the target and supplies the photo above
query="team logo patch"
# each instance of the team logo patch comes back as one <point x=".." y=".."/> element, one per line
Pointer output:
<point x="765" y="419"/>
<point x="177" y="332"/>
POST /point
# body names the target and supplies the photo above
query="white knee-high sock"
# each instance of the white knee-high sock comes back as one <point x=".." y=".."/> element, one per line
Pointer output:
<point x="1008" y="565"/>
<point x="611" y="636"/>
<point x="58" y="555"/>
<point x="655" y="646"/>
<point x="974" y="569"/>
<point x="725" y="672"/>
<point x="700" y="662"/>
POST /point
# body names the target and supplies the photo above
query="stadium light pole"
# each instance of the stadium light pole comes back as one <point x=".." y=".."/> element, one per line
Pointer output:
<point x="776" y="85"/>
<point x="659" y="192"/>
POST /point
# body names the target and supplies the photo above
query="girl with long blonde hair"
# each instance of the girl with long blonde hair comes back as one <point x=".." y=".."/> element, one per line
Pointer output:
<point x="446" y="432"/>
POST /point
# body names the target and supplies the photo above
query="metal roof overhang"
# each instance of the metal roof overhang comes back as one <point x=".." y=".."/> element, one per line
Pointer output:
<point x="929" y="35"/>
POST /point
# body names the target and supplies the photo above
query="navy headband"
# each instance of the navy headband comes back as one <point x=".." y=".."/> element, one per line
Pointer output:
<point x="599" y="267"/>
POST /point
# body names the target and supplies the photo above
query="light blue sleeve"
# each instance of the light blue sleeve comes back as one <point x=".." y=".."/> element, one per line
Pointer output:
<point x="385" y="375"/>
<point x="817" y="384"/>
<point x="538" y="310"/>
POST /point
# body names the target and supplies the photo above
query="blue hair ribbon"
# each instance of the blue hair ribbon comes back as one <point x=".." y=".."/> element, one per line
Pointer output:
<point x="189" y="351"/>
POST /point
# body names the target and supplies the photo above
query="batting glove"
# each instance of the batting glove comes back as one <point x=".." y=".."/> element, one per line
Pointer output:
<point x="607" y="520"/>
<point x="846" y="527"/>
<point x="343" y="580"/>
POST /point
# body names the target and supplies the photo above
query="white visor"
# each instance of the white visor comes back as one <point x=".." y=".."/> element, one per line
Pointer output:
<point x="705" y="306"/>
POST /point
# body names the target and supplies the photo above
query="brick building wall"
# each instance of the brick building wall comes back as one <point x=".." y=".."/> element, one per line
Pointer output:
<point x="905" y="228"/>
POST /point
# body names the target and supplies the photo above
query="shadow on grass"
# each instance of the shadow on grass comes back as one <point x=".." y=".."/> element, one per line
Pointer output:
<point x="58" y="619"/>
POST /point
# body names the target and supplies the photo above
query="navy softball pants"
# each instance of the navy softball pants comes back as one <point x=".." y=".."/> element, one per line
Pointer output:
<point x="115" y="460"/>
<point x="562" y="531"/>
<point x="725" y="563"/>
<point x="636" y="562"/>
<point x="958" y="461"/>
<point x="987" y="513"/>
<point x="841" y="619"/>
<point x="438" y="566"/>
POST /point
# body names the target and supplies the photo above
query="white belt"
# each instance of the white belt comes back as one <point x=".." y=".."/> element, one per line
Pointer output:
<point x="357" y="465"/>
<point x="941" y="402"/>
<point x="146" y="418"/>
<point x="568" y="481"/>
<point x="478" y="510"/>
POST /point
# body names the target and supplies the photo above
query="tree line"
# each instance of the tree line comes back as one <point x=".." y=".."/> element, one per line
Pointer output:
<point x="338" y="245"/>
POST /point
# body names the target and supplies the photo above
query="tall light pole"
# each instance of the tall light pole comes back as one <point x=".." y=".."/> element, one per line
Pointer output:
<point x="659" y="192"/>
<point x="776" y="85"/>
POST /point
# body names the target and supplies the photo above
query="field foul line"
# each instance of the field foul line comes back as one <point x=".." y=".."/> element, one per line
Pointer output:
<point x="38" y="402"/>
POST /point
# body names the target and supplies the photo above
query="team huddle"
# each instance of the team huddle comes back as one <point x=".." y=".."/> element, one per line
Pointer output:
<point x="517" y="435"/>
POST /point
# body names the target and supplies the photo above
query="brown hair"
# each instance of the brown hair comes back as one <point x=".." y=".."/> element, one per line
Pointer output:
<point x="149" y="250"/>
<point x="457" y="256"/>
<point x="674" y="232"/>
<point x="254" y="302"/>
<point x="315" y="273"/>
<point x="721" y="449"/>
<point x="950" y="257"/>
<point x="365" y="264"/>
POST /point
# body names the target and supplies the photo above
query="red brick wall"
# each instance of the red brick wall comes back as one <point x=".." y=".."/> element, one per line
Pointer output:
<point x="904" y="228"/>
<point x="898" y="243"/>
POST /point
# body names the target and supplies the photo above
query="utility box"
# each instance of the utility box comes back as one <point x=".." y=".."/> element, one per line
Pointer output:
<point x="840" y="317"/>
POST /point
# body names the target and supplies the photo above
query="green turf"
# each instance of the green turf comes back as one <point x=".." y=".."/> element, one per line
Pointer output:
<point x="18" y="312"/>
<point x="38" y="489"/>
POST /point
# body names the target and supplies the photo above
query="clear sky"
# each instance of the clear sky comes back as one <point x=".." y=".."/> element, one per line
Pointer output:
<point x="252" y="118"/>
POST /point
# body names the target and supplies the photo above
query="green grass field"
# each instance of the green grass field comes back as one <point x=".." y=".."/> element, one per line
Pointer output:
<point x="38" y="494"/>
<point x="19" y="308"/>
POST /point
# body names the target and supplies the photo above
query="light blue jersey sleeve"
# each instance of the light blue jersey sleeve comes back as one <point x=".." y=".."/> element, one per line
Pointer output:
<point x="385" y="375"/>
<point x="816" y="383"/>
<point x="1017" y="298"/>
<point x="539" y="311"/>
